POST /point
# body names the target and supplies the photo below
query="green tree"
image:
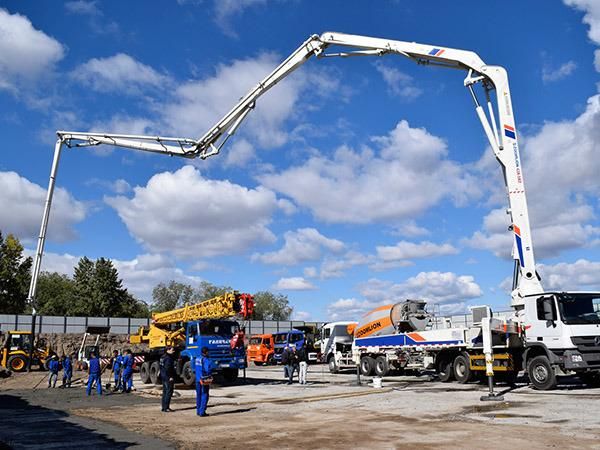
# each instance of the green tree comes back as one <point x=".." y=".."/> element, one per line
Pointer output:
<point x="55" y="294"/>
<point x="269" y="306"/>
<point x="166" y="297"/>
<point x="83" y="294"/>
<point x="14" y="275"/>
<point x="208" y="290"/>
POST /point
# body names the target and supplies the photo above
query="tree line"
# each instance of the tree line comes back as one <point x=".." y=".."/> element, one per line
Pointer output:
<point x="95" y="289"/>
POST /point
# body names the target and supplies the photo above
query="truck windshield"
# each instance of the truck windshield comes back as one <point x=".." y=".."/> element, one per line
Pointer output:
<point x="580" y="309"/>
<point x="218" y="328"/>
<point x="280" y="338"/>
<point x="255" y="341"/>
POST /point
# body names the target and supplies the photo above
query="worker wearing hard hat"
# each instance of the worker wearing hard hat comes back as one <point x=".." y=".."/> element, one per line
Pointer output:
<point x="204" y="379"/>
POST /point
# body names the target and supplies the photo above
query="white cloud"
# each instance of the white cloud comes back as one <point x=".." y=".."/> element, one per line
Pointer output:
<point x="597" y="60"/>
<point x="301" y="315"/>
<point x="398" y="83"/>
<point x="410" y="229"/>
<point x="121" y="74"/>
<point x="190" y="216"/>
<point x="293" y="284"/>
<point x="409" y="250"/>
<point x="549" y="75"/>
<point x="139" y="275"/>
<point x="336" y="266"/>
<point x="408" y="175"/>
<point x="581" y="275"/>
<point x="239" y="154"/>
<point x="96" y="19"/>
<point x="200" y="103"/>
<point x="591" y="8"/>
<point x="434" y="287"/>
<point x="562" y="186"/>
<point x="225" y="10"/>
<point x="349" y="309"/>
<point x="22" y="205"/>
<point x="304" y="244"/>
<point x="119" y="186"/>
<point x="26" y="54"/>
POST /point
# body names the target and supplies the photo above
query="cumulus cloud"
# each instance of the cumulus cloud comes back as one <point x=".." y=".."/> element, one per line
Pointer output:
<point x="225" y="10"/>
<point x="121" y="74"/>
<point x="336" y="266"/>
<point x="293" y="284"/>
<point x="301" y="315"/>
<point x="26" y="54"/>
<point x="349" y="309"/>
<point x="561" y="186"/>
<point x="398" y="83"/>
<point x="22" y="203"/>
<point x="404" y="250"/>
<point x="190" y="216"/>
<point x="549" y="75"/>
<point x="581" y="275"/>
<point x="139" y="275"/>
<point x="95" y="17"/>
<point x="304" y="244"/>
<point x="407" y="175"/>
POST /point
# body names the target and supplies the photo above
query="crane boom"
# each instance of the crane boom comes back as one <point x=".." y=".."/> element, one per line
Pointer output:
<point x="501" y="133"/>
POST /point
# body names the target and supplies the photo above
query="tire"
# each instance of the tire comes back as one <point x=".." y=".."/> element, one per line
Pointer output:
<point x="155" y="373"/>
<point x="541" y="374"/>
<point x="333" y="367"/>
<point x="382" y="366"/>
<point x="230" y="375"/>
<point x="258" y="363"/>
<point x="17" y="363"/>
<point x="367" y="365"/>
<point x="145" y="372"/>
<point x="444" y="369"/>
<point x="187" y="374"/>
<point x="271" y="360"/>
<point x="462" y="369"/>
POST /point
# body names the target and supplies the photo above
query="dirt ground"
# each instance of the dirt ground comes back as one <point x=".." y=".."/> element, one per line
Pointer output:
<point x="329" y="412"/>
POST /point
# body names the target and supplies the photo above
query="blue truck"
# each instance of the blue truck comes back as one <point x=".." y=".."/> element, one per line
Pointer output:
<point x="206" y="324"/>
<point x="296" y="337"/>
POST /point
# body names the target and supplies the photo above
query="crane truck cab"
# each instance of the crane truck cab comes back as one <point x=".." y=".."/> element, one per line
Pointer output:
<point x="261" y="349"/>
<point x="562" y="332"/>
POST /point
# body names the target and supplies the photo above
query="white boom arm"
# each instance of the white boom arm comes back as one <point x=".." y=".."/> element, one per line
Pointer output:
<point x="501" y="133"/>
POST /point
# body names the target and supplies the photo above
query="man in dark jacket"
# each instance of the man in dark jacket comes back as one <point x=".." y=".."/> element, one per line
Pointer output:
<point x="167" y="373"/>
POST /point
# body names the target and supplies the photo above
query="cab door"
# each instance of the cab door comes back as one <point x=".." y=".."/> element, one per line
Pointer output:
<point x="543" y="323"/>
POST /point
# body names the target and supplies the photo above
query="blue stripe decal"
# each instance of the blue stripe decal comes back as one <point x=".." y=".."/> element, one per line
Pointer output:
<point x="434" y="51"/>
<point x="520" y="249"/>
<point x="510" y="134"/>
<point x="399" y="339"/>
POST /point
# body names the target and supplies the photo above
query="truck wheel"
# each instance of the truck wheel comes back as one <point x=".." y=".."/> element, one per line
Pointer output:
<point x="462" y="369"/>
<point x="145" y="372"/>
<point x="444" y="369"/>
<point x="155" y="373"/>
<point x="17" y="363"/>
<point x="187" y="374"/>
<point x="230" y="375"/>
<point x="333" y="368"/>
<point x="382" y="366"/>
<point x="541" y="374"/>
<point x="258" y="363"/>
<point x="367" y="364"/>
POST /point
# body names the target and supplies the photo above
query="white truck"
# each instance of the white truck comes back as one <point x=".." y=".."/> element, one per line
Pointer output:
<point x="336" y="345"/>
<point x="560" y="331"/>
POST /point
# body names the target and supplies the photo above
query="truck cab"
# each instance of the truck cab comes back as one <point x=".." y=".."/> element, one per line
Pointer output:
<point x="261" y="349"/>
<point x="336" y="345"/>
<point x="16" y="348"/>
<point x="284" y="339"/>
<point x="562" y="333"/>
<point x="216" y="335"/>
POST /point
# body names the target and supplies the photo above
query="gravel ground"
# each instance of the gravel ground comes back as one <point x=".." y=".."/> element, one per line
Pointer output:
<point x="329" y="412"/>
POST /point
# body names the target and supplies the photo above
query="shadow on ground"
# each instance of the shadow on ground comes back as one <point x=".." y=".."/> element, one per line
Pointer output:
<point x="24" y="425"/>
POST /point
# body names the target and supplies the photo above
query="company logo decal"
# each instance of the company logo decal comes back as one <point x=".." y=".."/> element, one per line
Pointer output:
<point x="436" y="52"/>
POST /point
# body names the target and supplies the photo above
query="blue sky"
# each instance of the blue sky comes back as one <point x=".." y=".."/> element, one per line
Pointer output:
<point x="354" y="182"/>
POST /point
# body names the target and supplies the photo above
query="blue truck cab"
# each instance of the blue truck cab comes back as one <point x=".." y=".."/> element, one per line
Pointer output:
<point x="284" y="338"/>
<point x="216" y="335"/>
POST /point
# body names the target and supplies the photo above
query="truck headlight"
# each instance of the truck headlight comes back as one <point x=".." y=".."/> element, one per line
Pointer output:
<point x="576" y="358"/>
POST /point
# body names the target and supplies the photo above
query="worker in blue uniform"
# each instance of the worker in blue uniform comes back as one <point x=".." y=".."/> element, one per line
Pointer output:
<point x="67" y="364"/>
<point x="203" y="369"/>
<point x="127" y="385"/>
<point x="53" y="368"/>
<point x="94" y="375"/>
<point x="117" y="361"/>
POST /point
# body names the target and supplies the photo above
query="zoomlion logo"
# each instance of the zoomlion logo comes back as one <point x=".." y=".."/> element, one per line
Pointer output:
<point x="368" y="329"/>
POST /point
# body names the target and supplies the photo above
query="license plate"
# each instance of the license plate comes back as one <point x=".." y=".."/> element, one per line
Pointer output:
<point x="225" y="365"/>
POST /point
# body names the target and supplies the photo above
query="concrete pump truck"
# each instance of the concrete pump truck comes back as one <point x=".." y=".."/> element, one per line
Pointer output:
<point x="559" y="331"/>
